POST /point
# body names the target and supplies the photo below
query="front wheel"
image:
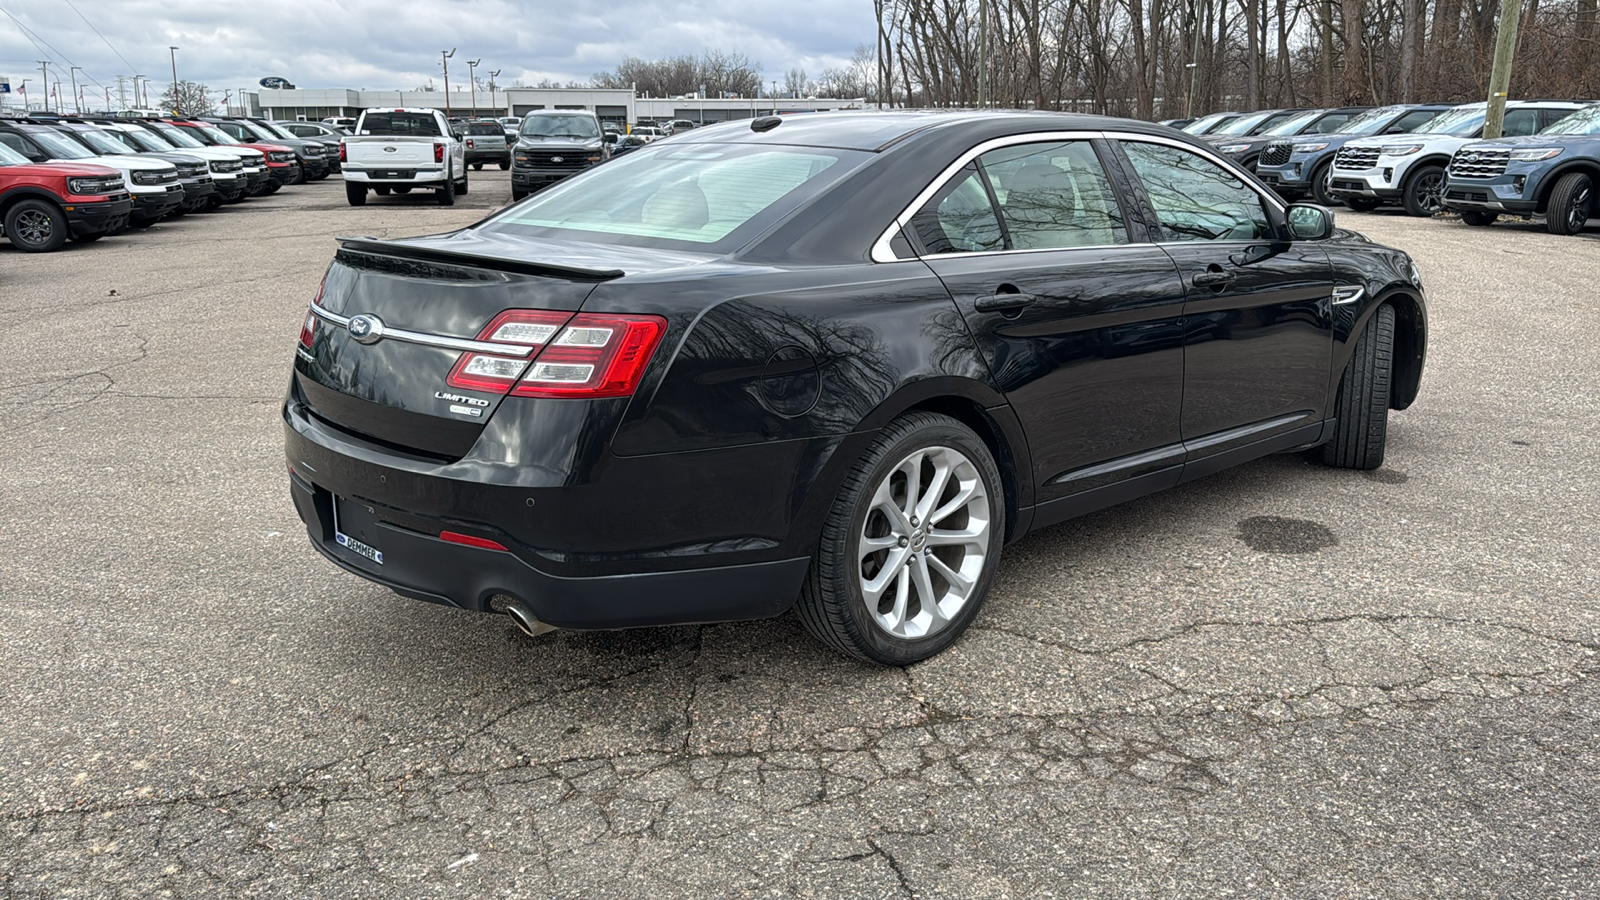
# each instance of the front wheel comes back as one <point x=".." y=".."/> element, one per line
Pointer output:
<point x="1363" y="402"/>
<point x="381" y="191"/>
<point x="36" y="226"/>
<point x="517" y="194"/>
<point x="356" y="193"/>
<point x="1322" y="185"/>
<point x="1423" y="191"/>
<point x="909" y="549"/>
<point x="1361" y="204"/>
<point x="1571" y="204"/>
<point x="1478" y="218"/>
<point x="478" y="166"/>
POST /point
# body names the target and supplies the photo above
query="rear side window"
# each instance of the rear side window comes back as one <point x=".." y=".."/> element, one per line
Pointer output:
<point x="959" y="218"/>
<point x="1054" y="195"/>
<point x="1520" y="121"/>
<point x="400" y="124"/>
<point x="1196" y="199"/>
<point x="1411" y="120"/>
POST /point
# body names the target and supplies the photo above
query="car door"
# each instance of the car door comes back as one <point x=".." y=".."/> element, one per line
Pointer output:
<point x="1076" y="315"/>
<point x="1258" y="326"/>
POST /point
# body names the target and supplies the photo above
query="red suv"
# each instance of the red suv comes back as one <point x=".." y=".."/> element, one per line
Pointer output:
<point x="42" y="205"/>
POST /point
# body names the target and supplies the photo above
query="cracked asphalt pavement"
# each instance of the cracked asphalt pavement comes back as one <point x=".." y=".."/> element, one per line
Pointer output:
<point x="1282" y="681"/>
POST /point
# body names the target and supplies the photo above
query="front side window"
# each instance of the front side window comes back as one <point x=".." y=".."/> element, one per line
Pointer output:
<point x="1520" y="122"/>
<point x="1196" y="199"/>
<point x="1054" y="195"/>
<point x="959" y="218"/>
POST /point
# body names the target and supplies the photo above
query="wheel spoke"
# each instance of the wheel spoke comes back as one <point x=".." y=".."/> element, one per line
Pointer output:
<point x="896" y="619"/>
<point x="913" y="469"/>
<point x="924" y="583"/>
<point x="973" y="536"/>
<point x="941" y="477"/>
<point x="961" y="583"/>
<point x="873" y="590"/>
<point x="871" y="545"/>
<point x="968" y="490"/>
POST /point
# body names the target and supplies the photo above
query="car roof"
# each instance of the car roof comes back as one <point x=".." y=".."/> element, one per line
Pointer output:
<point x="878" y="130"/>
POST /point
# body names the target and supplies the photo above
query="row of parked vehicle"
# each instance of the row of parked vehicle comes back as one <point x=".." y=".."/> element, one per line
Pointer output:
<point x="1424" y="157"/>
<point x="80" y="178"/>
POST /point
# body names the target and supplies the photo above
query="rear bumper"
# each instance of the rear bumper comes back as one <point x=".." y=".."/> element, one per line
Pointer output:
<point x="623" y="551"/>
<point x="386" y="176"/>
<point x="98" y="217"/>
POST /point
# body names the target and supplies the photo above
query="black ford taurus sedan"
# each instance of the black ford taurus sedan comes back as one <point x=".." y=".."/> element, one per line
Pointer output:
<point x="834" y="362"/>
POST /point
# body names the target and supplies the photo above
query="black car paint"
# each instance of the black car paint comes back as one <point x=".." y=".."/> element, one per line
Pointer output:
<point x="780" y="362"/>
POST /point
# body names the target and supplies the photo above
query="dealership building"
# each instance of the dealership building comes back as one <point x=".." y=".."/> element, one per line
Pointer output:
<point x="618" y="107"/>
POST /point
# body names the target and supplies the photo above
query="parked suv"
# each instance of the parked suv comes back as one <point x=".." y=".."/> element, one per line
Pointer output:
<point x="43" y="205"/>
<point x="283" y="166"/>
<point x="312" y="155"/>
<point x="1410" y="170"/>
<point x="1552" y="173"/>
<point x="152" y="182"/>
<point x="328" y="142"/>
<point x="253" y="163"/>
<point x="193" y="172"/>
<point x="1312" y="121"/>
<point x="228" y="179"/>
<point x="486" y="142"/>
<point x="1304" y="166"/>
<point x="555" y="144"/>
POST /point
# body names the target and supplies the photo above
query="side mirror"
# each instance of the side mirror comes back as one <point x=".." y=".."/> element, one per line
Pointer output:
<point x="1309" y="222"/>
<point x="610" y="137"/>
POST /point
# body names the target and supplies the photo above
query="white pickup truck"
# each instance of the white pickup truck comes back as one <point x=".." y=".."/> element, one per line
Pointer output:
<point x="400" y="149"/>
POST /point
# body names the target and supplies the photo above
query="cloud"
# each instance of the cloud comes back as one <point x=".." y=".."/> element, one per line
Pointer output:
<point x="395" y="44"/>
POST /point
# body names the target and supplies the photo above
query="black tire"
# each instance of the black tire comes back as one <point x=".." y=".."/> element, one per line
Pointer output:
<point x="178" y="213"/>
<point x="478" y="166"/>
<point x="1321" y="185"/>
<point x="447" y="193"/>
<point x="272" y="188"/>
<point x="517" y="194"/>
<point x="1361" y="204"/>
<point x="1363" y="401"/>
<point x="88" y="238"/>
<point x="505" y="164"/>
<point x="402" y="191"/>
<point x="1478" y="218"/>
<point x="833" y="606"/>
<point x="462" y="186"/>
<point x="36" y="226"/>
<point x="215" y="201"/>
<point x="381" y="191"/>
<point x="1423" y="190"/>
<point x="1571" y="204"/>
<point x="356" y="193"/>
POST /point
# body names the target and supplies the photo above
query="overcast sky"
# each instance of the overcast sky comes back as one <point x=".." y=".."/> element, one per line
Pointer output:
<point x="395" y="44"/>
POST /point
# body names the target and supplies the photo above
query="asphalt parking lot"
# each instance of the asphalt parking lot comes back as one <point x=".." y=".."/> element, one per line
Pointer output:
<point x="1284" y="680"/>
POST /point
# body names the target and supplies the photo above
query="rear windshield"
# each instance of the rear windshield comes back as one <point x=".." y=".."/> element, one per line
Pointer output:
<point x="485" y="128"/>
<point x="699" y="196"/>
<point x="536" y="125"/>
<point x="401" y="124"/>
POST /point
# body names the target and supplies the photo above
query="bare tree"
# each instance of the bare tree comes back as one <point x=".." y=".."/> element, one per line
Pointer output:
<point x="190" y="99"/>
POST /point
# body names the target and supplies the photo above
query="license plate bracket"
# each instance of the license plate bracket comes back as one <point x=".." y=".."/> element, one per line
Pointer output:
<point x="355" y="528"/>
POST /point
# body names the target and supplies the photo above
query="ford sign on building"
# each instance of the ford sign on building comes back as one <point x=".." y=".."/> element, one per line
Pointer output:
<point x="274" y="83"/>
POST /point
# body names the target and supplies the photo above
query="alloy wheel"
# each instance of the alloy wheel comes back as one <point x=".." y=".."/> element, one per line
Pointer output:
<point x="924" y="542"/>
<point x="1578" y="210"/>
<point x="1427" y="191"/>
<point x="34" y="226"/>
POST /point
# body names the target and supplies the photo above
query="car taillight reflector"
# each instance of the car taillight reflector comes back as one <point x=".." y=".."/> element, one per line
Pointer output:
<point x="438" y="153"/>
<point x="344" y="155"/>
<point x="516" y="327"/>
<point x="470" y="144"/>
<point x="595" y="356"/>
<point x="468" y="540"/>
<point x="308" y="329"/>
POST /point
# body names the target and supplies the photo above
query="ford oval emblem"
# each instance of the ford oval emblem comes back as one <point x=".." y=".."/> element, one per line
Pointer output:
<point x="366" y="329"/>
<point x="388" y="149"/>
<point x="556" y="159"/>
<point x="1472" y="157"/>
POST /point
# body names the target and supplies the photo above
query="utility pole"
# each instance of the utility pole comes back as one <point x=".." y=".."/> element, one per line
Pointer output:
<point x="44" y="69"/>
<point x="1505" y="48"/>
<point x="77" y="102"/>
<point x="445" y="55"/>
<point x="122" y="92"/>
<point x="492" y="76"/>
<point x="137" y="101"/>
<point x="177" y="107"/>
<point x="472" y="84"/>
<point x="1194" y="62"/>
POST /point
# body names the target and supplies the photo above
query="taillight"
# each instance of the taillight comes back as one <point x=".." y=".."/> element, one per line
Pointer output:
<point x="344" y="155"/>
<point x="467" y="540"/>
<point x="470" y="144"/>
<point x="496" y="374"/>
<point x="591" y="357"/>
<point x="438" y="153"/>
<point x="594" y="356"/>
<point x="308" y="329"/>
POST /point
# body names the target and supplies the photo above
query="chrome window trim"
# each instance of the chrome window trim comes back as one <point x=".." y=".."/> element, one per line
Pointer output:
<point x="883" y="253"/>
<point x="520" y="351"/>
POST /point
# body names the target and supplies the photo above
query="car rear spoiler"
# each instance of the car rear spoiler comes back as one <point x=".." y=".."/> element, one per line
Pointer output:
<point x="367" y="244"/>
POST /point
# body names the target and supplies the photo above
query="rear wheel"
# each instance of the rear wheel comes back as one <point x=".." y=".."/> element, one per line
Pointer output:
<point x="403" y="190"/>
<point x="461" y="188"/>
<point x="381" y="191"/>
<point x="1363" y="401"/>
<point x="36" y="226"/>
<point x="478" y="166"/>
<point x="356" y="193"/>
<point x="505" y="164"/>
<point x="447" y="193"/>
<point x="1423" y="191"/>
<point x="1571" y="204"/>
<point x="1478" y="218"/>
<point x="1361" y="204"/>
<point x="909" y="549"/>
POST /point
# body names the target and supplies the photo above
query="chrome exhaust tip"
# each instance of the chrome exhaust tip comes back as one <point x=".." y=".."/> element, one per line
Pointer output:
<point x="524" y="618"/>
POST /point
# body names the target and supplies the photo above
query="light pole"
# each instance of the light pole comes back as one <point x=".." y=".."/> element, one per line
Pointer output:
<point x="177" y="107"/>
<point x="445" y="55"/>
<point x="1194" y="64"/>
<point x="77" y="102"/>
<point x="44" y="69"/>
<point x="492" y="76"/>
<point x="137" y="100"/>
<point x="472" y="84"/>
